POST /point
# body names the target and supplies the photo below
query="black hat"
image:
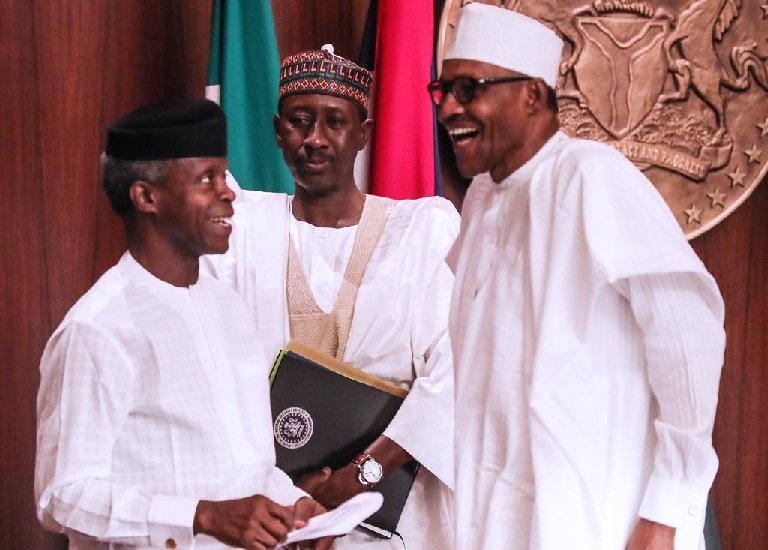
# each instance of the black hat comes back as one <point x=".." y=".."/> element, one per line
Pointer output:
<point x="169" y="129"/>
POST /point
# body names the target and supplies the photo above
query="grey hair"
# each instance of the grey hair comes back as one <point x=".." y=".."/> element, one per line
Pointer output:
<point x="118" y="175"/>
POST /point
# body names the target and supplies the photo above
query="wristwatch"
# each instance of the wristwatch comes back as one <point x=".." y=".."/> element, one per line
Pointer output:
<point x="369" y="471"/>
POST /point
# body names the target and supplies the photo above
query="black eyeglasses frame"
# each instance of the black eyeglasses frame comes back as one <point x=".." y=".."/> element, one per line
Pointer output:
<point x="444" y="87"/>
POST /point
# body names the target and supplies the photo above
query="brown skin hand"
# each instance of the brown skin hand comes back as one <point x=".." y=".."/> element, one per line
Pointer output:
<point x="256" y="522"/>
<point x="649" y="535"/>
<point x="343" y="484"/>
<point x="253" y="523"/>
<point x="304" y="509"/>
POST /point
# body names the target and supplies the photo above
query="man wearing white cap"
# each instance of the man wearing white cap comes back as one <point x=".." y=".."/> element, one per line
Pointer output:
<point x="587" y="335"/>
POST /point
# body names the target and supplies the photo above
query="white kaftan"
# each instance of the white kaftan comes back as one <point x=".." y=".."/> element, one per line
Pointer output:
<point x="152" y="397"/>
<point x="588" y="344"/>
<point x="398" y="332"/>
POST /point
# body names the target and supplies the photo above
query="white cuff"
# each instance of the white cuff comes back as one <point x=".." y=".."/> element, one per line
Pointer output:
<point x="672" y="503"/>
<point x="424" y="428"/>
<point x="171" y="521"/>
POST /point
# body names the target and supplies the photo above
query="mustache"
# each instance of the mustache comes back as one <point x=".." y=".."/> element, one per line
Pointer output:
<point x="312" y="156"/>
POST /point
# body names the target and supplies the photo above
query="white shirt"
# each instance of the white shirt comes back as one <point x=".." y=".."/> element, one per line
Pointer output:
<point x="324" y="253"/>
<point x="588" y="343"/>
<point x="152" y="397"/>
<point x="398" y="332"/>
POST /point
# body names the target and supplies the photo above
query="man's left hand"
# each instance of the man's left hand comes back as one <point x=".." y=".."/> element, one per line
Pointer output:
<point x="306" y="508"/>
<point x="649" y="535"/>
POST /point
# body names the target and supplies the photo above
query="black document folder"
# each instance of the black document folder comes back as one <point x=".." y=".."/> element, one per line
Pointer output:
<point x="325" y="413"/>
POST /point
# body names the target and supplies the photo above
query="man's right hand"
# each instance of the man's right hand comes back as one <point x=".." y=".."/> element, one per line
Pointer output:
<point x="649" y="535"/>
<point x="252" y="523"/>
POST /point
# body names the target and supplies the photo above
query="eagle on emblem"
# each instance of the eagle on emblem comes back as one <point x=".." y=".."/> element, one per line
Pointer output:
<point x="693" y="59"/>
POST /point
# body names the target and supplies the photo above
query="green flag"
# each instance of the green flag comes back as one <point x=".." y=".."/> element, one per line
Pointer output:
<point x="243" y="76"/>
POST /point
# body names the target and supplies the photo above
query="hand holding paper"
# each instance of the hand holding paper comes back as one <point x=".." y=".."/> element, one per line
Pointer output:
<point x="338" y="521"/>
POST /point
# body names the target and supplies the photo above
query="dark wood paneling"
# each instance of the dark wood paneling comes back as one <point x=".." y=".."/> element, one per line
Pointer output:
<point x="70" y="66"/>
<point x="736" y="252"/>
<point x="22" y="278"/>
<point x="308" y="24"/>
<point x="69" y="58"/>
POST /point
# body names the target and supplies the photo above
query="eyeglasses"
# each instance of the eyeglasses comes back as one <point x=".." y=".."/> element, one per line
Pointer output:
<point x="464" y="88"/>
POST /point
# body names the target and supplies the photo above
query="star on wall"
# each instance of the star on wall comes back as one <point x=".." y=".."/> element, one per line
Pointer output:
<point x="753" y="154"/>
<point x="737" y="178"/>
<point x="763" y="126"/>
<point x="717" y="197"/>
<point x="693" y="214"/>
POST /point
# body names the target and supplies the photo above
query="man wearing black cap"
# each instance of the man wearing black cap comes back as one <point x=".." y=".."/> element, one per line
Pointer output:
<point x="358" y="277"/>
<point x="153" y="408"/>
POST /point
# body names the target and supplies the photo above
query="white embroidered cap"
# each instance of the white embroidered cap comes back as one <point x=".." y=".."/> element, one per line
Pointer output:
<point x="508" y="39"/>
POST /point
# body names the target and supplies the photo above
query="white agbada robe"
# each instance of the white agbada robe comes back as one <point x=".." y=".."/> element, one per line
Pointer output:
<point x="398" y="332"/>
<point x="152" y="397"/>
<point x="588" y="343"/>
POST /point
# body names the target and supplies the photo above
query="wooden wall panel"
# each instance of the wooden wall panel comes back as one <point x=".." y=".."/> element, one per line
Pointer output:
<point x="736" y="253"/>
<point x="22" y="290"/>
<point x="68" y="51"/>
<point x="70" y="66"/>
<point x="308" y="24"/>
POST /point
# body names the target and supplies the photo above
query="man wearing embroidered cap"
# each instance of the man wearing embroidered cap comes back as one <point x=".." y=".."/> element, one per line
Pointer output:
<point x="153" y="409"/>
<point x="587" y="335"/>
<point x="359" y="277"/>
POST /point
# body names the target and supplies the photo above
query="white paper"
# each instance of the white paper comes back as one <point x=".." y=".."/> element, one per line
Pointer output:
<point x="339" y="521"/>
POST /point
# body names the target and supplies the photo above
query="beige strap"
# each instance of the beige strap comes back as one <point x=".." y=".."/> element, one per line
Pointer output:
<point x="329" y="332"/>
<point x="308" y="323"/>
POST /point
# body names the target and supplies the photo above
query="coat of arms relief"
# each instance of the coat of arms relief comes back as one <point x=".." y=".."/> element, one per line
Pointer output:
<point x="679" y="87"/>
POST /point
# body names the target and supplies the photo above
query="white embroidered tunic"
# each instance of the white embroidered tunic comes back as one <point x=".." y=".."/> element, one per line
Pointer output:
<point x="588" y="343"/>
<point x="398" y="332"/>
<point x="152" y="397"/>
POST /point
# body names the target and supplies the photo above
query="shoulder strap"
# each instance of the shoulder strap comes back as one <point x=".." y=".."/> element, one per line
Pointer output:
<point x="372" y="222"/>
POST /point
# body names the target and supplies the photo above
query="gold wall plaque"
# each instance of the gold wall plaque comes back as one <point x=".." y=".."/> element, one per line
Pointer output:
<point x="679" y="87"/>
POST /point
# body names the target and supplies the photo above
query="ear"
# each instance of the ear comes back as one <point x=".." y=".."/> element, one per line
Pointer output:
<point x="142" y="195"/>
<point x="276" y="125"/>
<point x="535" y="94"/>
<point x="365" y="133"/>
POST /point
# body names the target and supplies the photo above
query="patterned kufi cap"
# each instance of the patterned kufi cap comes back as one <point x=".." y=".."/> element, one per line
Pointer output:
<point x="322" y="72"/>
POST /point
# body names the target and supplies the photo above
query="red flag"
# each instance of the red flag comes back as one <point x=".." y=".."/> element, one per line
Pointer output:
<point x="403" y="150"/>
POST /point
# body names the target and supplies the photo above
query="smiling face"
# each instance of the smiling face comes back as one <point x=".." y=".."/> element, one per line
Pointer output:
<point x="320" y="136"/>
<point x="194" y="206"/>
<point x="489" y="132"/>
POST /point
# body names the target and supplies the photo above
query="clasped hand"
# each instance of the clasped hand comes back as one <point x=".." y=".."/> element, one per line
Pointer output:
<point x="256" y="522"/>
